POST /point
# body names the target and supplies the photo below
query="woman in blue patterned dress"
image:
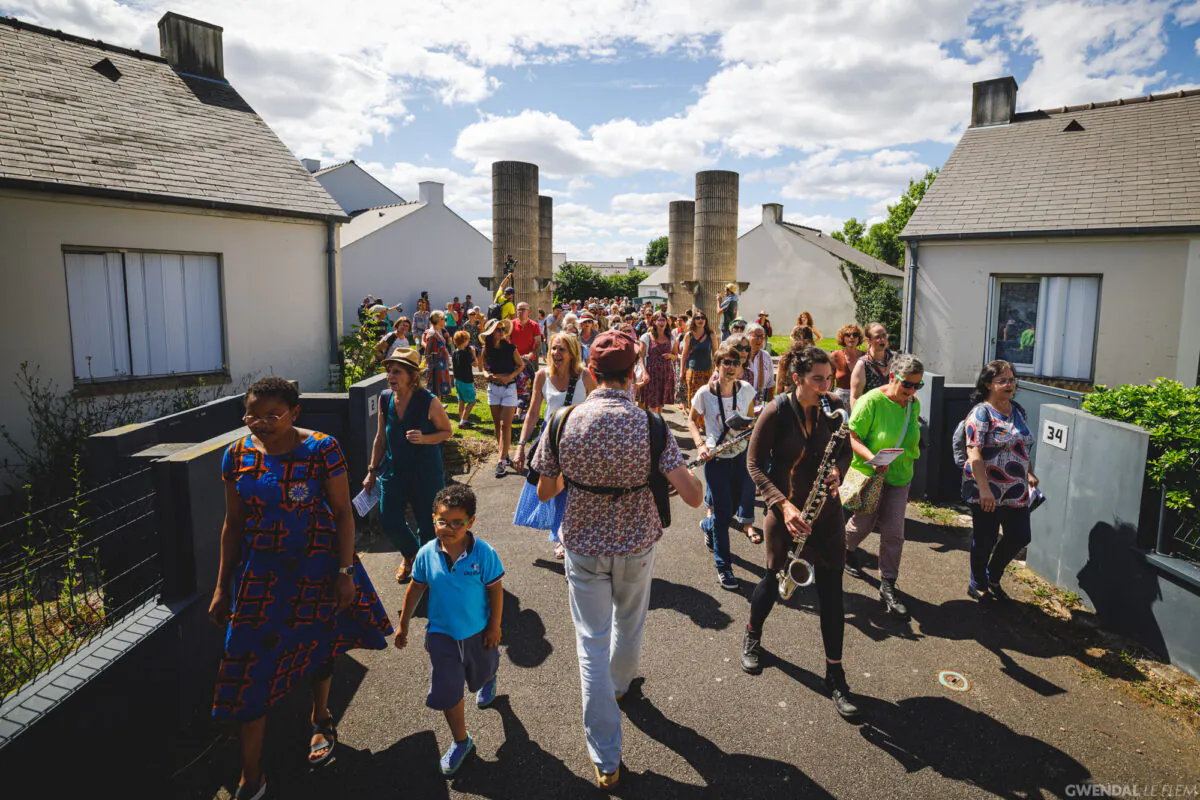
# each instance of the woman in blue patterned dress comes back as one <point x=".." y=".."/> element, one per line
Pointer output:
<point x="997" y="479"/>
<point x="290" y="588"/>
<point x="437" y="356"/>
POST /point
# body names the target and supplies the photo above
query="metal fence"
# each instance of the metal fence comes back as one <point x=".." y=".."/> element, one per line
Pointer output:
<point x="71" y="570"/>
<point x="1178" y="532"/>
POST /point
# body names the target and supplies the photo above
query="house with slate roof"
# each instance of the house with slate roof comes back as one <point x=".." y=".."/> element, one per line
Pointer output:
<point x="155" y="230"/>
<point x="351" y="186"/>
<point x="793" y="268"/>
<point x="1065" y="240"/>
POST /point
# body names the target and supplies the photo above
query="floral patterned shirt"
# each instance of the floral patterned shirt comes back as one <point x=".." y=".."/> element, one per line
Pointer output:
<point x="606" y="442"/>
<point x="1005" y="442"/>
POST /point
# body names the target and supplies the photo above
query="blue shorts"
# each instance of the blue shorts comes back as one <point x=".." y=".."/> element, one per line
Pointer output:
<point x="453" y="663"/>
<point x="465" y="391"/>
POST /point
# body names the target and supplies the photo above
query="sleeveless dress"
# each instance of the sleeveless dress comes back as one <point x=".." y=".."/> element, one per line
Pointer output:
<point x="531" y="512"/>
<point x="699" y="365"/>
<point x="412" y="473"/>
<point x="437" y="363"/>
<point x="283" y="626"/>
<point x="660" y="391"/>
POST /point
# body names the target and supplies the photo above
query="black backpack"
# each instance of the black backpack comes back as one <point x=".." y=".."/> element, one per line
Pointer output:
<point x="958" y="442"/>
<point x="495" y="311"/>
<point x="657" y="482"/>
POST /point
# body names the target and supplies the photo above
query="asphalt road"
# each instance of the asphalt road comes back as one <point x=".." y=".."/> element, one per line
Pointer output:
<point x="1032" y="723"/>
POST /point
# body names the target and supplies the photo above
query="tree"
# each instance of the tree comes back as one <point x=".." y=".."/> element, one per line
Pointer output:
<point x="625" y="285"/>
<point x="876" y="300"/>
<point x="577" y="282"/>
<point x="656" y="252"/>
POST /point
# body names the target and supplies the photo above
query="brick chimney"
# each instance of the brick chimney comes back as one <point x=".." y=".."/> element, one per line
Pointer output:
<point x="772" y="213"/>
<point x="993" y="102"/>
<point x="191" y="46"/>
<point x="431" y="193"/>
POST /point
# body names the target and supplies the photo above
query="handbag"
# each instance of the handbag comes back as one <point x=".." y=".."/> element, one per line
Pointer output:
<point x="860" y="493"/>
<point x="531" y="474"/>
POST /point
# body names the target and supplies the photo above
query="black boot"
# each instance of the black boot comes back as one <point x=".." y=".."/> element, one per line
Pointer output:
<point x="891" y="599"/>
<point x="853" y="567"/>
<point x="752" y="652"/>
<point x="839" y="690"/>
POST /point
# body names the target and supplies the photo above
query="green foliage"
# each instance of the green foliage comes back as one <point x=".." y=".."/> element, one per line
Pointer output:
<point x="578" y="282"/>
<point x="59" y="424"/>
<point x="1171" y="413"/>
<point x="358" y="356"/>
<point x="656" y="252"/>
<point x="876" y="300"/>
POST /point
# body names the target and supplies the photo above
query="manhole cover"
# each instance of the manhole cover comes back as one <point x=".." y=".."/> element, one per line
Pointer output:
<point x="953" y="681"/>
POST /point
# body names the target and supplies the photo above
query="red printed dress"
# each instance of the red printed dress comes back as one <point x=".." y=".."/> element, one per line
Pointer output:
<point x="660" y="391"/>
<point x="283" y="626"/>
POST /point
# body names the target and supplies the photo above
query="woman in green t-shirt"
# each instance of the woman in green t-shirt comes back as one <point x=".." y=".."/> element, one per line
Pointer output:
<point x="886" y="418"/>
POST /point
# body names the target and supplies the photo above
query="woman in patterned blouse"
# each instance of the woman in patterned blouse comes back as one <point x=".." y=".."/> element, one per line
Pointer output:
<point x="997" y="479"/>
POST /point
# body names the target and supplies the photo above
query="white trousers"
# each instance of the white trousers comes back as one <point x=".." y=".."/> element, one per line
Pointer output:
<point x="609" y="600"/>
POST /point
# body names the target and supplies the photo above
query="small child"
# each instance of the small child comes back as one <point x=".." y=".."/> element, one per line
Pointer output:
<point x="465" y="603"/>
<point x="463" y="361"/>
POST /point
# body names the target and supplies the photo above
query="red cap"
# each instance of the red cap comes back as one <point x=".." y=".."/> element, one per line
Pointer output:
<point x="612" y="351"/>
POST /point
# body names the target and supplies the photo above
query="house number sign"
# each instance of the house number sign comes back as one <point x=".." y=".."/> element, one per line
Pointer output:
<point x="1054" y="434"/>
<point x="372" y="406"/>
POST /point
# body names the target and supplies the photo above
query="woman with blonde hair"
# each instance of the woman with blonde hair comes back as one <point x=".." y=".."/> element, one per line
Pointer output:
<point x="849" y="337"/>
<point x="805" y="318"/>
<point x="562" y="382"/>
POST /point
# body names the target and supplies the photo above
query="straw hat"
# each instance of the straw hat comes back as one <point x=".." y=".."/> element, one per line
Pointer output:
<point x="407" y="356"/>
<point x="491" y="327"/>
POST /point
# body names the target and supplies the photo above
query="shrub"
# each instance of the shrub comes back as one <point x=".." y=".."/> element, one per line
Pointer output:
<point x="358" y="356"/>
<point x="875" y="300"/>
<point x="1171" y="414"/>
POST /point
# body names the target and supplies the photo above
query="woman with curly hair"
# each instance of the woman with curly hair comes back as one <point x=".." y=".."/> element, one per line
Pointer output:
<point x="805" y="318"/>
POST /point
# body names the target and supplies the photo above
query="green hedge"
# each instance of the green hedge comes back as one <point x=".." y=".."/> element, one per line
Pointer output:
<point x="1171" y="414"/>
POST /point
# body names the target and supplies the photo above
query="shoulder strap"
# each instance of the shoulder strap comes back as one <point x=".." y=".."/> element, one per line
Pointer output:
<point x="554" y="430"/>
<point x="658" y="439"/>
<point x="570" y="389"/>
<point x="904" y="431"/>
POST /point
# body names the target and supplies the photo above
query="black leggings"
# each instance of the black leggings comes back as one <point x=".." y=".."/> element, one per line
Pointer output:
<point x="829" y="604"/>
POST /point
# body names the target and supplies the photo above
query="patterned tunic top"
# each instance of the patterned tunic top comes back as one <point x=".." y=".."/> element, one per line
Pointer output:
<point x="606" y="442"/>
<point x="1005" y="442"/>
<point x="283" y="626"/>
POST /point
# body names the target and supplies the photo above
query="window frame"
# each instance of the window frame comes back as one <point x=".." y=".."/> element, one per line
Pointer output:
<point x="993" y="310"/>
<point x="155" y="378"/>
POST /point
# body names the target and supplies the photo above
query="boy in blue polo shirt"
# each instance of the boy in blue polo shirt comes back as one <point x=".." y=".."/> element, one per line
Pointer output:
<point x="466" y="600"/>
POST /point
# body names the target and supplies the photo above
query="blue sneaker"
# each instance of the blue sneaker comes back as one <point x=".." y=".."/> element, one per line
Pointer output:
<point x="487" y="693"/>
<point x="455" y="756"/>
<point x="708" y="532"/>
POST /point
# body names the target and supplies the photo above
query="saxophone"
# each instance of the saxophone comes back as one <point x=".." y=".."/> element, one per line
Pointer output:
<point x="798" y="571"/>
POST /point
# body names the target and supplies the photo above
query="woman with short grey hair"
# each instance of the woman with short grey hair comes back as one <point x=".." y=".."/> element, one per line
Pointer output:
<point x="885" y="419"/>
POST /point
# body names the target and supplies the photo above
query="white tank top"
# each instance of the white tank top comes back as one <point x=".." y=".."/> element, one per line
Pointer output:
<point x="556" y="399"/>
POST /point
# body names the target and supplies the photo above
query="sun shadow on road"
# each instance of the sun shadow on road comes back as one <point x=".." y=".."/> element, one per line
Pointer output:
<point x="724" y="774"/>
<point x="701" y="607"/>
<point x="523" y="634"/>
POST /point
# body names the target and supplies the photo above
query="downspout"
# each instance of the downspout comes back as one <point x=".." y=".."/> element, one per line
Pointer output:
<point x="910" y="297"/>
<point x="331" y="267"/>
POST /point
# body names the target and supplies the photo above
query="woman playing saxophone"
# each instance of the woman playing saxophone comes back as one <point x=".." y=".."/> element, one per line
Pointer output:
<point x="791" y="436"/>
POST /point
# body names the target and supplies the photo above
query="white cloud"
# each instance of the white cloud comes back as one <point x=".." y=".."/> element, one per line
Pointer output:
<point x="879" y="176"/>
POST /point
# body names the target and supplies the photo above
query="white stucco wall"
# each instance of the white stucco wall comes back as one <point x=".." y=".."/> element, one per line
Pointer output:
<point x="273" y="284"/>
<point x="788" y="275"/>
<point x="430" y="249"/>
<point x="1141" y="300"/>
<point x="354" y="189"/>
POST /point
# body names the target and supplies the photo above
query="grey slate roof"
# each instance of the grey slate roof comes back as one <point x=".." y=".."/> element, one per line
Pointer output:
<point x="152" y="134"/>
<point x="1135" y="167"/>
<point x="842" y="250"/>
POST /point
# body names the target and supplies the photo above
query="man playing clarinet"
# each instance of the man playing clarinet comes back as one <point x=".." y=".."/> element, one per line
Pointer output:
<point x="786" y="451"/>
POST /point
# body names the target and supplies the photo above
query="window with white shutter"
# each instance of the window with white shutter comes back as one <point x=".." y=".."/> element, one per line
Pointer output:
<point x="139" y="314"/>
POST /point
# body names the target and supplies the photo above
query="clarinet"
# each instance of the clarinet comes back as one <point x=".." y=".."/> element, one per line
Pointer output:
<point x="798" y="571"/>
<point x="728" y="444"/>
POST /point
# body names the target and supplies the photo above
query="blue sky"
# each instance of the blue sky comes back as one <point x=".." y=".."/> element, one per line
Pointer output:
<point x="827" y="110"/>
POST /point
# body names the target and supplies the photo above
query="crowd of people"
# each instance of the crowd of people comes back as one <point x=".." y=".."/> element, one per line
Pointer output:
<point x="827" y="441"/>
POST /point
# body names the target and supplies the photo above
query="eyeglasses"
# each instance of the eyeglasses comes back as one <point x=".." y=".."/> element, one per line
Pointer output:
<point x="270" y="419"/>
<point x="1004" y="381"/>
<point x="456" y="525"/>
<point x="911" y="385"/>
<point x="730" y="362"/>
<point x="819" y="378"/>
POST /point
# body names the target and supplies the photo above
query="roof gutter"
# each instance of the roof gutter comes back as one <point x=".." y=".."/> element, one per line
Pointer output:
<point x="334" y="330"/>
<point x="163" y="199"/>
<point x="1132" y="230"/>
<point x="910" y="297"/>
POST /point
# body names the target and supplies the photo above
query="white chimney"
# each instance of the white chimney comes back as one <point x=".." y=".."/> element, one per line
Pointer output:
<point x="311" y="164"/>
<point x="629" y="263"/>
<point x="993" y="102"/>
<point x="772" y="213"/>
<point x="191" y="46"/>
<point x="431" y="193"/>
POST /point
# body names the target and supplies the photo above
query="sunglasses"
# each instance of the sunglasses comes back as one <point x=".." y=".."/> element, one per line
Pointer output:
<point x="729" y="362"/>
<point x="742" y="348"/>
<point x="911" y="385"/>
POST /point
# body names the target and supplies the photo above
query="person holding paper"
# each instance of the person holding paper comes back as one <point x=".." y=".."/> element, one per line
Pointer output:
<point x="407" y="456"/>
<point x="886" y="418"/>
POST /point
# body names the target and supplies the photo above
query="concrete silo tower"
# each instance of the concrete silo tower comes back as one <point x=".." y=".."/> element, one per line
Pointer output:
<point x="681" y="247"/>
<point x="515" y="215"/>
<point x="545" y="274"/>
<point x="716" y="239"/>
